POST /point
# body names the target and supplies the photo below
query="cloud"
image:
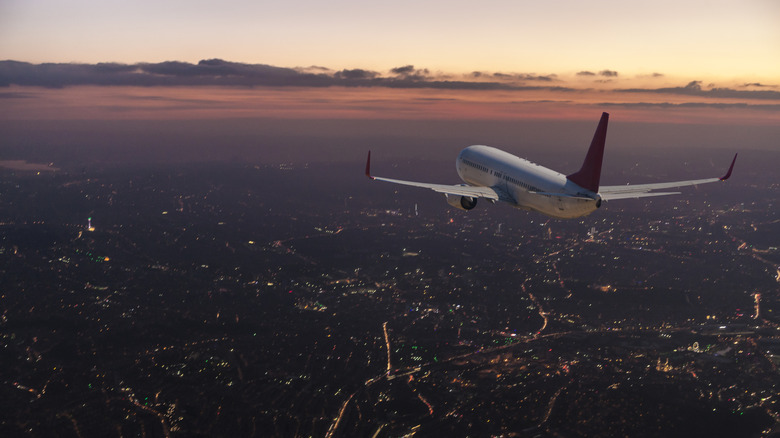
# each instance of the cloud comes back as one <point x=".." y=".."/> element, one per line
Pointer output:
<point x="408" y="72"/>
<point x="693" y="85"/>
<point x="526" y="77"/>
<point x="355" y="74"/>
<point x="217" y="72"/>
<point x="651" y="75"/>
<point x="542" y="78"/>
<point x="694" y="88"/>
<point x="759" y="85"/>
<point x="716" y="105"/>
<point x="15" y="95"/>
<point x="313" y="69"/>
<point x="207" y="72"/>
<point x="405" y="70"/>
<point x="112" y="67"/>
<point x="605" y="73"/>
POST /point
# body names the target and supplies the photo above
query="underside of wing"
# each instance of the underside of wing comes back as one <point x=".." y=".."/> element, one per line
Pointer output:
<point x="458" y="190"/>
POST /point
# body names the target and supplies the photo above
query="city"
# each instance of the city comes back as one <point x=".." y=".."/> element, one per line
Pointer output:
<point x="296" y="299"/>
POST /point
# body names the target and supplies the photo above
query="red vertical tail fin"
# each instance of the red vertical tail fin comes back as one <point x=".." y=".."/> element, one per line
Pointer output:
<point x="590" y="173"/>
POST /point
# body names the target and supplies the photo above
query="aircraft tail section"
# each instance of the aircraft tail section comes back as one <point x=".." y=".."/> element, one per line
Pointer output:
<point x="589" y="175"/>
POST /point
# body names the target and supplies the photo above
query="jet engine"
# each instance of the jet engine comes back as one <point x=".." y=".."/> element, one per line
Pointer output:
<point x="461" y="202"/>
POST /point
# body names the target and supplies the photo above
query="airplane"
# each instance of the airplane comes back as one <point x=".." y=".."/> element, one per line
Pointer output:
<point x="496" y="175"/>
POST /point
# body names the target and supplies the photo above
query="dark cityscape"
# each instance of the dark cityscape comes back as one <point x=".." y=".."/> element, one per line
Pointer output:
<point x="301" y="299"/>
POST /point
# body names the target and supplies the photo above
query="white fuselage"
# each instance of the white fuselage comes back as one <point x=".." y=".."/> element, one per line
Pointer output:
<point x="523" y="184"/>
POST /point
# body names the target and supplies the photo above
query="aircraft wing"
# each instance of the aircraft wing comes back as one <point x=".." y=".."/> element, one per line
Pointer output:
<point x="609" y="193"/>
<point x="457" y="189"/>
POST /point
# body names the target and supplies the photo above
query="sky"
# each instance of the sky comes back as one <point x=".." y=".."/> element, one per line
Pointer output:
<point x="737" y="39"/>
<point x="709" y="62"/>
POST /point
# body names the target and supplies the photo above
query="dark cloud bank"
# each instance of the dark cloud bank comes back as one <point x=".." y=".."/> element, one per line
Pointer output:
<point x="694" y="88"/>
<point x="217" y="72"/>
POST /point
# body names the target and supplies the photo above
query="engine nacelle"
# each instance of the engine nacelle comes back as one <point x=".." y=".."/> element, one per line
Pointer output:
<point x="461" y="202"/>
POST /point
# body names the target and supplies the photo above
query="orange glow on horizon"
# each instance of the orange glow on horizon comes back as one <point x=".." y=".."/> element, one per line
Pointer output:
<point x="183" y="103"/>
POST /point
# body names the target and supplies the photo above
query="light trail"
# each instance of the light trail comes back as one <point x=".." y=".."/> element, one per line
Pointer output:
<point x="73" y="422"/>
<point x="757" y="297"/>
<point x="131" y="398"/>
<point x="542" y="313"/>
<point x="550" y="406"/>
<point x="422" y="399"/>
<point x="335" y="424"/>
<point x="409" y="371"/>
<point x="560" y="280"/>
<point x="379" y="429"/>
<point x="387" y="343"/>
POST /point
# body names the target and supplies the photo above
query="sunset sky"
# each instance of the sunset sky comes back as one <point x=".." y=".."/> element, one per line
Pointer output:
<point x="709" y="40"/>
<point x="683" y="62"/>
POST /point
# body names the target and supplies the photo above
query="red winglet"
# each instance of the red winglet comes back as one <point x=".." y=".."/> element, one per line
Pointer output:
<point x="368" y="166"/>
<point x="728" y="174"/>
